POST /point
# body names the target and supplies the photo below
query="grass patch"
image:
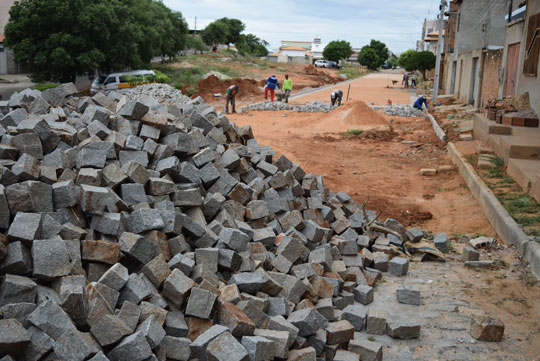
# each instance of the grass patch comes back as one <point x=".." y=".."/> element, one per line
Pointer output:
<point x="180" y="77"/>
<point x="498" y="171"/>
<point x="371" y="338"/>
<point x="44" y="86"/>
<point x="472" y="158"/>
<point x="352" y="72"/>
<point x="353" y="132"/>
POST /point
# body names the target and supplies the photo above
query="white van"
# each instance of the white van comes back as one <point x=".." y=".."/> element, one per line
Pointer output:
<point x="115" y="81"/>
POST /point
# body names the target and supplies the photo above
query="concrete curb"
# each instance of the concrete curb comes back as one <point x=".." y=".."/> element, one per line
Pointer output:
<point x="498" y="216"/>
<point x="438" y="130"/>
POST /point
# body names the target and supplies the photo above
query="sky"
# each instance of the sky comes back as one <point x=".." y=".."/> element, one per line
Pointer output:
<point x="398" y="23"/>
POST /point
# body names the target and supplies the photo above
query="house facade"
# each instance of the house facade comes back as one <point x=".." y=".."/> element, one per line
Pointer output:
<point x="7" y="63"/>
<point x="305" y="52"/>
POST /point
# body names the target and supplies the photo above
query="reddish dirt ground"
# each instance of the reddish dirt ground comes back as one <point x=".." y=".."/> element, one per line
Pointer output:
<point x="377" y="162"/>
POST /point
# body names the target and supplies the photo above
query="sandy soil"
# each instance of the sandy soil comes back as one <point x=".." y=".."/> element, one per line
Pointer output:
<point x="377" y="162"/>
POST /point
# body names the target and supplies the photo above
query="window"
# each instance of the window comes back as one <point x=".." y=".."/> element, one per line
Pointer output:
<point x="111" y="79"/>
<point x="458" y="21"/>
<point x="122" y="80"/>
<point x="532" y="46"/>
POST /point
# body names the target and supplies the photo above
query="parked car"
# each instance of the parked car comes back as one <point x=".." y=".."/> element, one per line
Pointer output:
<point x="322" y="63"/>
<point x="333" y="64"/>
<point x="115" y="81"/>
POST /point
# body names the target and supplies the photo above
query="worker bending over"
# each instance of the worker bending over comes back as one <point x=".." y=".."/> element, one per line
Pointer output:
<point x="271" y="84"/>
<point x="422" y="100"/>
<point x="230" y="94"/>
<point x="336" y="95"/>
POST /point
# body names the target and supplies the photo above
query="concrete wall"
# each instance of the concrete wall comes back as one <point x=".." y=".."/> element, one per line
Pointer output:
<point x="525" y="83"/>
<point x="491" y="79"/>
<point x="514" y="35"/>
<point x="4" y="13"/>
<point x="3" y="62"/>
<point x="293" y="53"/>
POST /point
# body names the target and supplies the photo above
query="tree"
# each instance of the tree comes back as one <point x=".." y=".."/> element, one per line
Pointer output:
<point x="235" y="28"/>
<point x="417" y="60"/>
<point x="195" y="42"/>
<point x="337" y="50"/>
<point x="251" y="45"/>
<point x="215" y="33"/>
<point x="60" y="39"/>
<point x="393" y="61"/>
<point x="369" y="57"/>
<point x="381" y="49"/>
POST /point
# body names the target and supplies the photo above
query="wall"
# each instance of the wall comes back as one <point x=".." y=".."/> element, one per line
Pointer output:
<point x="491" y="77"/>
<point x="4" y="13"/>
<point x="514" y="34"/>
<point x="293" y="53"/>
<point x="528" y="83"/>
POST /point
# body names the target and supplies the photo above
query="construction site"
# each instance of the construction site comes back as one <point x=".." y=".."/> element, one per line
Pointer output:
<point x="338" y="222"/>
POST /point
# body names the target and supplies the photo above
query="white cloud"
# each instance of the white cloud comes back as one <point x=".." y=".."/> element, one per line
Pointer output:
<point x="395" y="22"/>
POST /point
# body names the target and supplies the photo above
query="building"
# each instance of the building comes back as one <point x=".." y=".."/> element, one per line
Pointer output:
<point x="298" y="51"/>
<point x="428" y="27"/>
<point x="7" y="64"/>
<point x="521" y="53"/>
<point x="471" y="67"/>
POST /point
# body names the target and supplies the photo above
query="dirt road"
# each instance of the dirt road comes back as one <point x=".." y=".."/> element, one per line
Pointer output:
<point x="380" y="162"/>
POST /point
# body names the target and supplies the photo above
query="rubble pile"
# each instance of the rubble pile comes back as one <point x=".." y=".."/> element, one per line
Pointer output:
<point x="312" y="107"/>
<point x="513" y="110"/>
<point x="402" y="111"/>
<point x="139" y="228"/>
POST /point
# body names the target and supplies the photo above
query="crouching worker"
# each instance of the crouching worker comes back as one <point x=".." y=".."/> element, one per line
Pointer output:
<point x="336" y="95"/>
<point x="230" y="94"/>
<point x="422" y="100"/>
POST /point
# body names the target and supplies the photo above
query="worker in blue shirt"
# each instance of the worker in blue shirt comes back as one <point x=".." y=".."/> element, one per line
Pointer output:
<point x="270" y="85"/>
<point x="418" y="103"/>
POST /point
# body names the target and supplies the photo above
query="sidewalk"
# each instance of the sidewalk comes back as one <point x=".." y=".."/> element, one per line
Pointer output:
<point x="14" y="78"/>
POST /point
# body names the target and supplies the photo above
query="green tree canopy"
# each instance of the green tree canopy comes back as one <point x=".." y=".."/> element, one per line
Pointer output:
<point x="337" y="50"/>
<point x="250" y="44"/>
<point x="369" y="57"/>
<point x="60" y="39"/>
<point x="380" y="48"/>
<point x="195" y="42"/>
<point x="223" y="31"/>
<point x="417" y="60"/>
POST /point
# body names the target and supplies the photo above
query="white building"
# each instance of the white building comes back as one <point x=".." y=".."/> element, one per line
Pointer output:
<point x="298" y="51"/>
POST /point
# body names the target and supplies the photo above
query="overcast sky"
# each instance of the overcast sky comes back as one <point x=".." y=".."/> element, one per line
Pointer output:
<point x="398" y="23"/>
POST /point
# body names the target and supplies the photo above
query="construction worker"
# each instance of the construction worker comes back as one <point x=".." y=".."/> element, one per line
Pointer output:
<point x="336" y="95"/>
<point x="287" y="87"/>
<point x="419" y="102"/>
<point x="230" y="94"/>
<point x="271" y="84"/>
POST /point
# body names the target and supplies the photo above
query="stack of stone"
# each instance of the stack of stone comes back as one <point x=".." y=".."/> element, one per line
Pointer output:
<point x="134" y="228"/>
<point x="312" y="107"/>
<point x="402" y="111"/>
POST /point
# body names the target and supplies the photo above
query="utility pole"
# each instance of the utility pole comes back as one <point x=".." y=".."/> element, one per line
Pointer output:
<point x="195" y="24"/>
<point x="439" y="52"/>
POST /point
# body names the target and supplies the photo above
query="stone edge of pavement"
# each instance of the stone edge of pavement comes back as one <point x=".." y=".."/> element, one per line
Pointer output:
<point x="498" y="216"/>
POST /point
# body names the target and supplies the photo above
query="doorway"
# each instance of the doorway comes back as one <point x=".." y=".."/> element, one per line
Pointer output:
<point x="512" y="61"/>
<point x="474" y="80"/>
<point x="453" y="79"/>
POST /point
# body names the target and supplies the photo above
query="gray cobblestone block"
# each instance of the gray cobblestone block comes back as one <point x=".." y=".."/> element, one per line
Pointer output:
<point x="136" y="171"/>
<point x="25" y="228"/>
<point x="176" y="348"/>
<point x="89" y="176"/>
<point x="152" y="330"/>
<point x="183" y="263"/>
<point x="279" y="341"/>
<point x="356" y="315"/>
<point x="326" y="308"/>
<point x="414" y="234"/>
<point x="226" y="348"/>
<point x="160" y="186"/>
<point x="98" y="129"/>
<point x="256" y="210"/>
<point x="234" y="239"/>
<point x="18" y="260"/>
<point x="175" y="324"/>
<point x="135" y="290"/>
<point x="249" y="282"/>
<point x="176" y="287"/>
<point x="26" y="168"/>
<point x="279" y="323"/>
<point x="100" y="356"/>
<point x="339" y="332"/>
<point x="133" y="143"/>
<point x="133" y="193"/>
<point x="292" y="249"/>
<point x="408" y="294"/>
<point x="399" y="266"/>
<point x="138" y="156"/>
<point x="441" y="242"/>
<point x="157" y="270"/>
<point x="100" y="251"/>
<point x="133" y="110"/>
<point x="93" y="199"/>
<point x="199" y="345"/>
<point x="368" y="350"/>
<point x="187" y="173"/>
<point x="51" y="319"/>
<point x="403" y="327"/>
<point x="92" y="158"/>
<point x="376" y="321"/>
<point x="40" y="344"/>
<point x="342" y="355"/>
<point x="258" y="348"/>
<point x="130" y="314"/>
<point x="380" y="261"/>
<point x="168" y="166"/>
<point x="322" y="255"/>
<point x="212" y="204"/>
<point x="469" y="254"/>
<point x="143" y="220"/>
<point x="230" y="159"/>
<point x="109" y="330"/>
<point x="50" y="258"/>
<point x="108" y="223"/>
<point x="18" y="311"/>
<point x="200" y="303"/>
<point x="229" y="260"/>
<point x="113" y="175"/>
<point x="28" y="143"/>
<point x="132" y="348"/>
<point x="115" y="277"/>
<point x="304" y="270"/>
<point x="4" y="209"/>
<point x="292" y="219"/>
<point x="348" y="247"/>
<point x="13" y="337"/>
<point x="308" y="321"/>
<point x="188" y="197"/>
<point x="73" y="297"/>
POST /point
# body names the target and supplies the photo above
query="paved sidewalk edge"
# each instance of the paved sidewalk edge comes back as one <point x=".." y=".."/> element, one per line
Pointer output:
<point x="498" y="216"/>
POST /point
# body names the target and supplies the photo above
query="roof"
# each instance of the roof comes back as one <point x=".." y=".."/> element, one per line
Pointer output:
<point x="293" y="48"/>
<point x="294" y="41"/>
<point x="2" y="38"/>
<point x="275" y="54"/>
